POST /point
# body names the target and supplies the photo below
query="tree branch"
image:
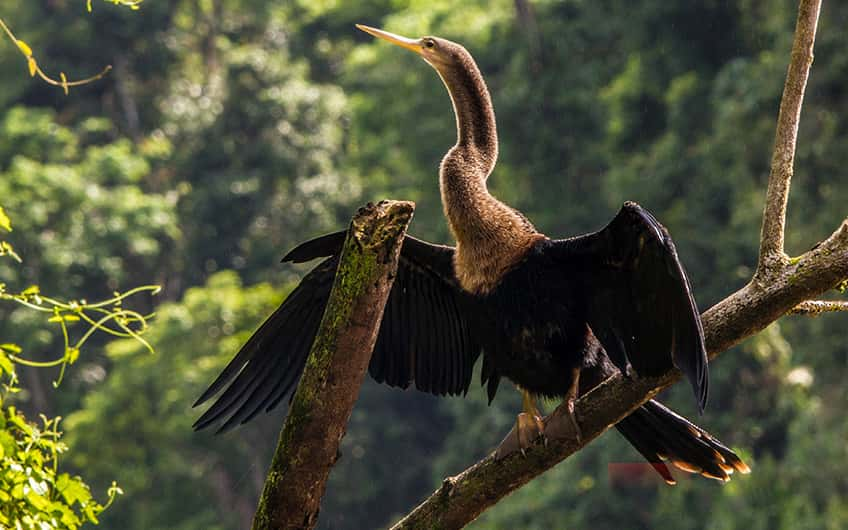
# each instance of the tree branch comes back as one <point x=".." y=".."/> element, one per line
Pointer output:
<point x="817" y="307"/>
<point x="778" y="286"/>
<point x="317" y="419"/>
<point x="785" y="138"/>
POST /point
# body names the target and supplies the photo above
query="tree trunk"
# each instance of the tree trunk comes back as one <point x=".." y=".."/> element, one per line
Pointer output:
<point x="317" y="419"/>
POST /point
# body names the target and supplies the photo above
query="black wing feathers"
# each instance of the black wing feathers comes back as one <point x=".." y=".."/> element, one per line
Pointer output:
<point x="640" y="304"/>
<point x="425" y="336"/>
<point x="320" y="247"/>
<point x="274" y="355"/>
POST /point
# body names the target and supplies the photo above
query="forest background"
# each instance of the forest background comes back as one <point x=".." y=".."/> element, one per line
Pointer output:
<point x="228" y="131"/>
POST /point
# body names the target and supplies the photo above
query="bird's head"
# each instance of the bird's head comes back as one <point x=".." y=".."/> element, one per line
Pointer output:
<point x="441" y="54"/>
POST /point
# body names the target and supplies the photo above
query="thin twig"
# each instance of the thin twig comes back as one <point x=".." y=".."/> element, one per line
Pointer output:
<point x="817" y="307"/>
<point x="34" y="67"/>
<point x="785" y="139"/>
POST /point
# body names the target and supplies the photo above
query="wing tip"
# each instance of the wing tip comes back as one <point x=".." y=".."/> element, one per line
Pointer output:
<point x="320" y="247"/>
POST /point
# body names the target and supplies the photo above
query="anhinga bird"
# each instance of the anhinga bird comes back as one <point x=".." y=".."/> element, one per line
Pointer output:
<point x="556" y="317"/>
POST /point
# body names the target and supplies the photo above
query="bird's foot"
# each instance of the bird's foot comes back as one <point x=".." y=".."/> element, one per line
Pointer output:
<point x="527" y="430"/>
<point x="562" y="424"/>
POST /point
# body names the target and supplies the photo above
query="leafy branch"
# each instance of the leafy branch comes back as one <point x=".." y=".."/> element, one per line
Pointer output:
<point x="107" y="316"/>
<point x="33" y="494"/>
<point x="35" y="69"/>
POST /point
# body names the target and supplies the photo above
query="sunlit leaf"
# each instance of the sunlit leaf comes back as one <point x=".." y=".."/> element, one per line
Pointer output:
<point x="18" y="491"/>
<point x="7" y="250"/>
<point x="114" y="489"/>
<point x="72" y="489"/>
<point x="5" y="222"/>
<point x="72" y="355"/>
<point x="63" y="317"/>
<point x="25" y="49"/>
<point x="6" y="366"/>
<point x="38" y="486"/>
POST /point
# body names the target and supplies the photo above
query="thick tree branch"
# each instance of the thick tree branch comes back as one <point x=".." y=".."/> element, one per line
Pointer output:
<point x="778" y="286"/>
<point x="785" y="138"/>
<point x="337" y="362"/>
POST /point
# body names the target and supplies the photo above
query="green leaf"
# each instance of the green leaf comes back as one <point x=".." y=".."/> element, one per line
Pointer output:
<point x="24" y="47"/>
<point x="72" y="489"/>
<point x="5" y="222"/>
<point x="32" y="290"/>
<point x="65" y="317"/>
<point x="6" y="365"/>
<point x="72" y="354"/>
<point x="91" y="510"/>
<point x="39" y="502"/>
<point x="18" y="491"/>
<point x="6" y="249"/>
<point x="11" y="348"/>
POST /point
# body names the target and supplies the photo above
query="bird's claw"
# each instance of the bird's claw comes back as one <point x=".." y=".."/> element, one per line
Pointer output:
<point x="528" y="429"/>
<point x="562" y="424"/>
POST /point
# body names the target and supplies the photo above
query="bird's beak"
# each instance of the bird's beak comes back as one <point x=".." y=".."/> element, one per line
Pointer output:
<point x="413" y="45"/>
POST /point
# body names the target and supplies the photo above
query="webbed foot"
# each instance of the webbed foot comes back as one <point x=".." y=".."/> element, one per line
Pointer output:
<point x="562" y="424"/>
<point x="528" y="429"/>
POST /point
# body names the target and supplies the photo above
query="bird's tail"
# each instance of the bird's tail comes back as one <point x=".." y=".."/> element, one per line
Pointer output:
<point x="662" y="436"/>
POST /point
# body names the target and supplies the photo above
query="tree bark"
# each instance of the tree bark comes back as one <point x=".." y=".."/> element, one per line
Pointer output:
<point x="317" y="419"/>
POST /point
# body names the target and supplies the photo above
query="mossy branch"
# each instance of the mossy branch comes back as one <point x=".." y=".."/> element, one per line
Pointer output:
<point x="317" y="419"/>
<point x="778" y="286"/>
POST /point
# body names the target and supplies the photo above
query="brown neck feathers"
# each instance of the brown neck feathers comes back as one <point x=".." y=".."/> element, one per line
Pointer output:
<point x="491" y="237"/>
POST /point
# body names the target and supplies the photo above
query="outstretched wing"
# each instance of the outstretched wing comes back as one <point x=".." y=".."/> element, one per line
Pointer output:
<point x="425" y="337"/>
<point x="640" y="303"/>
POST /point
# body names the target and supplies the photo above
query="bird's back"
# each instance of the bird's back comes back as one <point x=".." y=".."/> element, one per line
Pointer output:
<point x="535" y="322"/>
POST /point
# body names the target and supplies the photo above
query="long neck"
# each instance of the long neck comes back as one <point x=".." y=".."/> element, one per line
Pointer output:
<point x="490" y="235"/>
<point x="475" y="117"/>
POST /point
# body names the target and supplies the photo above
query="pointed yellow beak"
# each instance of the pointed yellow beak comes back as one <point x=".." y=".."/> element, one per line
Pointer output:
<point x="413" y="45"/>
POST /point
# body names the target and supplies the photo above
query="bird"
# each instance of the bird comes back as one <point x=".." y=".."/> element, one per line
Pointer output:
<point x="556" y="317"/>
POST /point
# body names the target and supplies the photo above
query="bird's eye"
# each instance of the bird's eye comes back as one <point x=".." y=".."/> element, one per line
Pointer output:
<point x="429" y="43"/>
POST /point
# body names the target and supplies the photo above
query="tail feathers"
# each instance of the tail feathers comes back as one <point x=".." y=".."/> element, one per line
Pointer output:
<point x="661" y="436"/>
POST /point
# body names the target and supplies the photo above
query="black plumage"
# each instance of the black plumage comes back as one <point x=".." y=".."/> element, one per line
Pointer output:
<point x="556" y="317"/>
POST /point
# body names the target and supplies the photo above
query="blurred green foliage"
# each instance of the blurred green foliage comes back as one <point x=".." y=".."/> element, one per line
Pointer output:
<point x="228" y="131"/>
<point x="33" y="493"/>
